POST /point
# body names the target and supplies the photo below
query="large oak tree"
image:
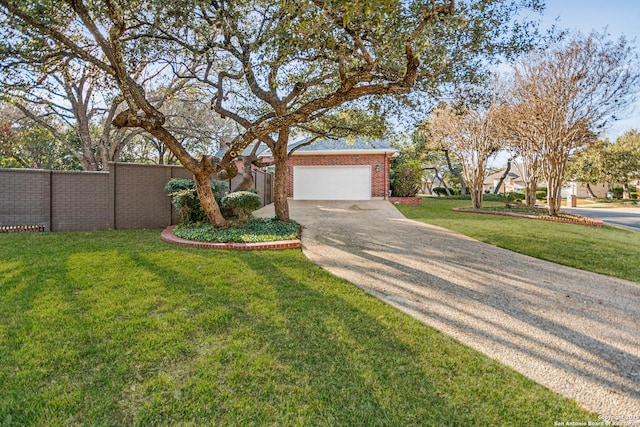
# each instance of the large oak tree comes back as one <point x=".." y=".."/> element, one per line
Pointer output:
<point x="272" y="66"/>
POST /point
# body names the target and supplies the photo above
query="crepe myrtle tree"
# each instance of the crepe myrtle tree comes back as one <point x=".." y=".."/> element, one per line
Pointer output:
<point x="566" y="95"/>
<point x="272" y="67"/>
<point x="473" y="136"/>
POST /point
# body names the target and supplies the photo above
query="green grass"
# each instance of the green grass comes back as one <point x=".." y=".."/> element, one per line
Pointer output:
<point x="607" y="250"/>
<point x="256" y="230"/>
<point x="119" y="328"/>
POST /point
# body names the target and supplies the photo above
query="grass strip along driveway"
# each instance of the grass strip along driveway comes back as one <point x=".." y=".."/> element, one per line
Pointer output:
<point x="608" y="250"/>
<point x="119" y="328"/>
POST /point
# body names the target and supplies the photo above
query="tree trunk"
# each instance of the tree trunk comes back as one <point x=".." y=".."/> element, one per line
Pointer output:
<point x="590" y="190"/>
<point x="281" y="160"/>
<point x="530" y="193"/>
<point x="626" y="193"/>
<point x="463" y="184"/>
<point x="502" y="178"/>
<point x="207" y="199"/>
<point x="554" y="195"/>
<point x="477" y="184"/>
<point x="444" y="184"/>
<point x="476" y="198"/>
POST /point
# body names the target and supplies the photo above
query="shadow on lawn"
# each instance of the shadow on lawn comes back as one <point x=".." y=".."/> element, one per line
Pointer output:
<point x="117" y="331"/>
<point x="299" y="351"/>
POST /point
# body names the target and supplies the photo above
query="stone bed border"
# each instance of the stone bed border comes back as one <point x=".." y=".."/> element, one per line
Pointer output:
<point x="592" y="222"/>
<point x="168" y="236"/>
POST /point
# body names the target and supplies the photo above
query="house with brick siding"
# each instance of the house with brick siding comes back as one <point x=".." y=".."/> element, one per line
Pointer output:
<point x="339" y="169"/>
<point x="336" y="169"/>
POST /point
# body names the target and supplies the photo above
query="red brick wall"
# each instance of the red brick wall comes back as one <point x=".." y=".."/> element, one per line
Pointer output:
<point x="379" y="179"/>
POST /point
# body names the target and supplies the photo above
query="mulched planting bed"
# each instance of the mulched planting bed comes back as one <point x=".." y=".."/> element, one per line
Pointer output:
<point x="256" y="234"/>
<point x="535" y="213"/>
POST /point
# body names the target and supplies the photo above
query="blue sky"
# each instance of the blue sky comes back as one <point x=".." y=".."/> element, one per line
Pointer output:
<point x="619" y="16"/>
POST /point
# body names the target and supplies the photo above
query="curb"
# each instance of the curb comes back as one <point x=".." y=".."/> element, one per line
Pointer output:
<point x="168" y="236"/>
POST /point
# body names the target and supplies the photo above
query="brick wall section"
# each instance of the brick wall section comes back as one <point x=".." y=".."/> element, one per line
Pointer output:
<point x="413" y="201"/>
<point x="129" y="196"/>
<point x="25" y="197"/>
<point x="379" y="178"/>
<point x="81" y="201"/>
<point x="140" y="198"/>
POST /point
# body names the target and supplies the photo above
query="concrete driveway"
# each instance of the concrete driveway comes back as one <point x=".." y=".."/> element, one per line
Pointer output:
<point x="574" y="332"/>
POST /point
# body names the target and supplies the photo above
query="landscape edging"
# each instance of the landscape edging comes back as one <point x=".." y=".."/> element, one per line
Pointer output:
<point x="592" y="222"/>
<point x="168" y="236"/>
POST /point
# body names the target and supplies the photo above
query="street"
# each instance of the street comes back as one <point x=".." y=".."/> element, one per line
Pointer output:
<point x="624" y="217"/>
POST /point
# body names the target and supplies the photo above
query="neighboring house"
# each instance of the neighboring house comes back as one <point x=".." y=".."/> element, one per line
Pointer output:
<point x="337" y="169"/>
<point x="580" y="190"/>
<point x="511" y="183"/>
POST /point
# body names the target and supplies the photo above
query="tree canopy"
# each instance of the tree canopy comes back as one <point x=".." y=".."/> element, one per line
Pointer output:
<point x="270" y="66"/>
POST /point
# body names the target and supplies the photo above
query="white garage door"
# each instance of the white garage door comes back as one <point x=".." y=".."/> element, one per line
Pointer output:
<point x="332" y="182"/>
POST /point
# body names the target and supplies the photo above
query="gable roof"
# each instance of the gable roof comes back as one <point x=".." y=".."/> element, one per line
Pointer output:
<point x="514" y="177"/>
<point x="342" y="146"/>
<point x="325" y="146"/>
<point x="247" y="151"/>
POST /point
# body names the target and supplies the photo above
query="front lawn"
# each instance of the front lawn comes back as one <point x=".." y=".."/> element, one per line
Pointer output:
<point x="607" y="250"/>
<point x="119" y="328"/>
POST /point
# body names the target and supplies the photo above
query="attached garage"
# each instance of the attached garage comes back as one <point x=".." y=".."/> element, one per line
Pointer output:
<point x="334" y="169"/>
<point x="332" y="182"/>
<point x="337" y="169"/>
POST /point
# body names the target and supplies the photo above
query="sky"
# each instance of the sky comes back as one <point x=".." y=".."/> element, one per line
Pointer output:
<point x="621" y="17"/>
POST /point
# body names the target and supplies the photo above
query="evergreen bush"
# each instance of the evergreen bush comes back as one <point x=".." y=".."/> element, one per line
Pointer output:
<point x="242" y="203"/>
<point x="185" y="199"/>
<point x="439" y="191"/>
<point x="406" y="179"/>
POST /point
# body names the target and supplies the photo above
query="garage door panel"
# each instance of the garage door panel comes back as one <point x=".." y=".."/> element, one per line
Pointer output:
<point x="332" y="182"/>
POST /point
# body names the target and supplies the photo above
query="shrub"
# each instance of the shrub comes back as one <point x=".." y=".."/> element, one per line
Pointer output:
<point x="439" y="191"/>
<point x="541" y="194"/>
<point x="512" y="199"/>
<point x="187" y="205"/>
<point x="178" y="184"/>
<point x="185" y="199"/>
<point x="492" y="197"/>
<point x="617" y="192"/>
<point x="461" y="197"/>
<point x="242" y="203"/>
<point x="406" y="179"/>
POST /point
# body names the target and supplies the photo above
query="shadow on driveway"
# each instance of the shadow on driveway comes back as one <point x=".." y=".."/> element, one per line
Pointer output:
<point x="575" y="332"/>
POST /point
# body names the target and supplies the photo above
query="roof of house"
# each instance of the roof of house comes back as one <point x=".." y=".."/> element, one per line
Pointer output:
<point x="497" y="175"/>
<point x="342" y="146"/>
<point x="246" y="152"/>
<point x="325" y="146"/>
